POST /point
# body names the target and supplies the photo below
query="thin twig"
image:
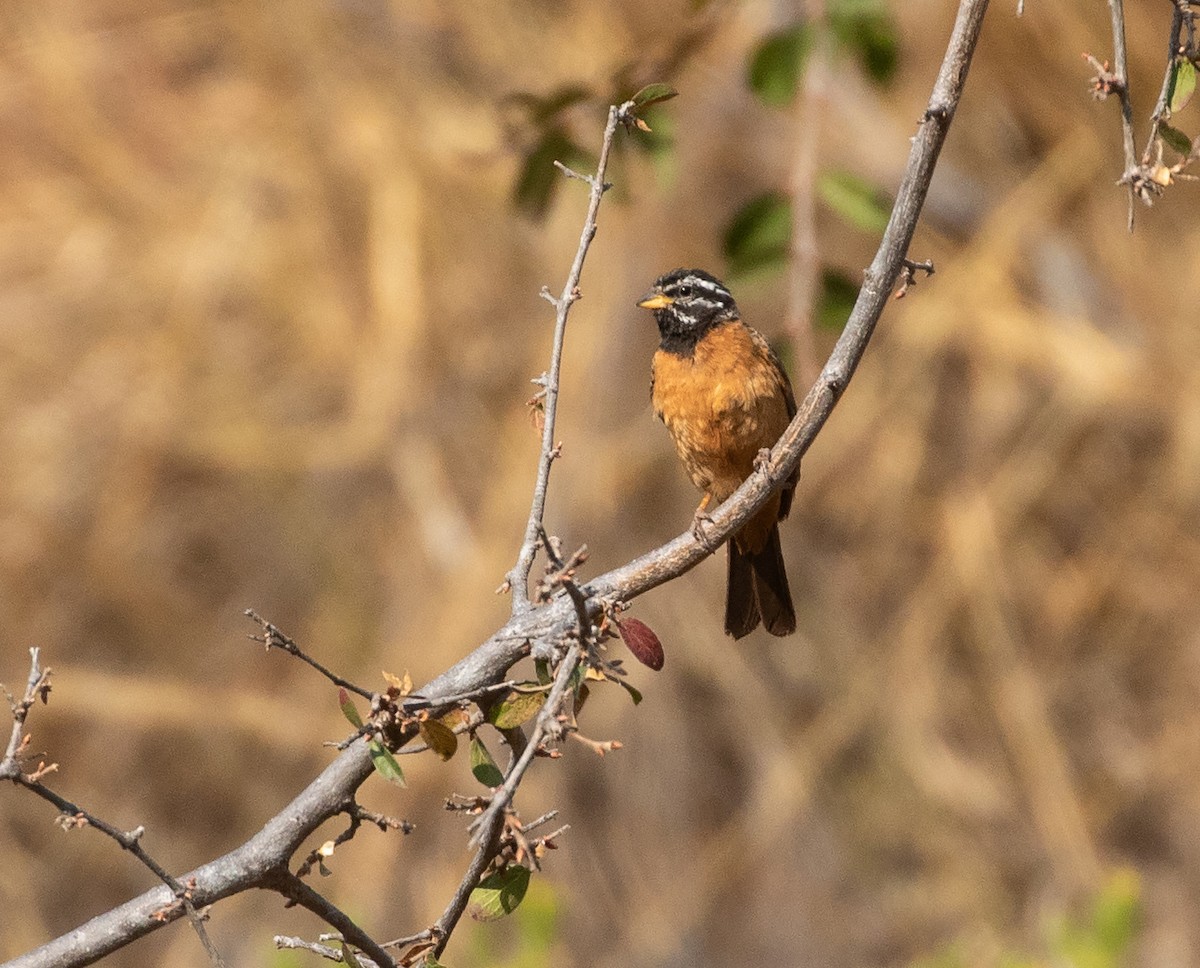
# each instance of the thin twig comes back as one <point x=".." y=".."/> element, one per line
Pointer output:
<point x="1121" y="65"/>
<point x="298" y="891"/>
<point x="272" y="637"/>
<point x="332" y="954"/>
<point x="518" y="578"/>
<point x="1162" y="109"/>
<point x="416" y="701"/>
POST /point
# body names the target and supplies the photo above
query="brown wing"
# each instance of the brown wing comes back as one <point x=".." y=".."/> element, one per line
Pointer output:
<point x="789" y="399"/>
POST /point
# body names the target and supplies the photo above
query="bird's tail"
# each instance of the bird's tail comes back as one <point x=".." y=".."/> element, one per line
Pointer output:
<point x="757" y="590"/>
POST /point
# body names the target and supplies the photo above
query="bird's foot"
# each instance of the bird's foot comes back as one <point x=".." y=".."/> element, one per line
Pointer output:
<point x="701" y="522"/>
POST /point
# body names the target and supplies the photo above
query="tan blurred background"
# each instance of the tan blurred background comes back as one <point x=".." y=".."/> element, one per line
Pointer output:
<point x="268" y="316"/>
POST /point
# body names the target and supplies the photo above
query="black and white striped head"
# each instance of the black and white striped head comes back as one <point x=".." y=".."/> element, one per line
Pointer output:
<point x="687" y="303"/>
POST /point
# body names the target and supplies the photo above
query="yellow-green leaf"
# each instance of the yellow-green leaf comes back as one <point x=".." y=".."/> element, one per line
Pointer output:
<point x="499" y="894"/>
<point x="483" y="766"/>
<point x="515" y="709"/>
<point x="1183" y="85"/>
<point x="1176" y="140"/>
<point x="439" y="737"/>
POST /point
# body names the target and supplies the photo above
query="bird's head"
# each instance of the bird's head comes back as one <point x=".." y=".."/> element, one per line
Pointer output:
<point x="687" y="303"/>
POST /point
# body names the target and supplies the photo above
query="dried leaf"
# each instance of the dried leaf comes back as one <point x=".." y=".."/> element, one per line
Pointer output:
<point x="439" y="738"/>
<point x="642" y="642"/>
<point x="403" y="685"/>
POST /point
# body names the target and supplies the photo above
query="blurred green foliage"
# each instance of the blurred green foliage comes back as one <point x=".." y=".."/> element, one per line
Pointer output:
<point x="1101" y="938"/>
<point x="524" y="940"/>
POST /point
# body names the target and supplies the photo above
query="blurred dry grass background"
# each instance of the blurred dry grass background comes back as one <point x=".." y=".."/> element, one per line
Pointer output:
<point x="268" y="318"/>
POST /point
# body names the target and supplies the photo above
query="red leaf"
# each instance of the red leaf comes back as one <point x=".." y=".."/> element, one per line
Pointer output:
<point x="642" y="642"/>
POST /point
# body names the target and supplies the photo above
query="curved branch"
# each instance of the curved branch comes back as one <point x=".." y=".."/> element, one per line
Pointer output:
<point x="269" y="851"/>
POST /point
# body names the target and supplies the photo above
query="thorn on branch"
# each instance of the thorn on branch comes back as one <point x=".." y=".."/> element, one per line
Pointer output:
<point x="572" y="173"/>
<point x="908" y="275"/>
<point x="599" y="747"/>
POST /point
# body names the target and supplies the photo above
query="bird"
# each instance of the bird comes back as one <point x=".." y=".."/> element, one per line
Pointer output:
<point x="724" y="396"/>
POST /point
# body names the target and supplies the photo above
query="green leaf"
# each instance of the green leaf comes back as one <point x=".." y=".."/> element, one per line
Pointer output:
<point x="542" y="668"/>
<point x="759" y="234"/>
<point x="838" y="294"/>
<point x="857" y="201"/>
<point x="439" y="737"/>
<point x="559" y="100"/>
<point x="483" y="766"/>
<point x="777" y="63"/>
<point x="633" y="693"/>
<point x="515" y="708"/>
<point x="348" y="709"/>
<point x="1176" y="140"/>
<point x="386" y="764"/>
<point x="539" y="178"/>
<point x="1183" y="85"/>
<point x="430" y="961"/>
<point x="499" y="894"/>
<point x="653" y="94"/>
<point x="867" y="31"/>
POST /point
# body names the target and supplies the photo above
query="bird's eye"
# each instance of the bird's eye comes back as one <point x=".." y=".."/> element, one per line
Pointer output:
<point x="685" y="291"/>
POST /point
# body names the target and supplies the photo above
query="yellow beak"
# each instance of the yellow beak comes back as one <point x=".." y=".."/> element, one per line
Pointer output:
<point x="655" y="300"/>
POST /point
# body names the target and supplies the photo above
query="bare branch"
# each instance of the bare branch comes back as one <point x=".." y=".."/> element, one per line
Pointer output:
<point x="518" y="577"/>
